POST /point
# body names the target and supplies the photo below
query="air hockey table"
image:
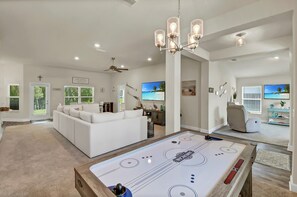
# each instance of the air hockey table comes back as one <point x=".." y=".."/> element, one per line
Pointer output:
<point x="183" y="164"/>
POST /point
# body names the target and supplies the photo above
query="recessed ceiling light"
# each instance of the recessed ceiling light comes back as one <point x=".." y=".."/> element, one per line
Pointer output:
<point x="149" y="59"/>
<point x="97" y="45"/>
<point x="122" y="66"/>
<point x="276" y="57"/>
<point x="76" y="58"/>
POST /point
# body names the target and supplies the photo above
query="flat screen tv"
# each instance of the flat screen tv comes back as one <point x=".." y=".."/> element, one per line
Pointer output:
<point x="277" y="91"/>
<point x="153" y="91"/>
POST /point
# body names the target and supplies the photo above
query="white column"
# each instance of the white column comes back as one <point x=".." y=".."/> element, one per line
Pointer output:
<point x="293" y="180"/>
<point x="173" y="91"/>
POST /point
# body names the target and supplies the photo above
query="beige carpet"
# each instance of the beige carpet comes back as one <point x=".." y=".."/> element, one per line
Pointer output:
<point x="270" y="134"/>
<point x="273" y="159"/>
<point x="35" y="160"/>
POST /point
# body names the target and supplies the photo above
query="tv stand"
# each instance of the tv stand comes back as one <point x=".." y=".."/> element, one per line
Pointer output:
<point x="157" y="116"/>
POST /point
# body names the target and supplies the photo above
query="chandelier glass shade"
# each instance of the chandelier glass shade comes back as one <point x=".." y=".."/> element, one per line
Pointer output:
<point x="173" y="35"/>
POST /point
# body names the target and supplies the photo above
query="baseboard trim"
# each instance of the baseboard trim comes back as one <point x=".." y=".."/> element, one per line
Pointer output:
<point x="215" y="128"/>
<point x="15" y="120"/>
<point x="290" y="148"/>
<point x="293" y="187"/>
<point x="190" y="127"/>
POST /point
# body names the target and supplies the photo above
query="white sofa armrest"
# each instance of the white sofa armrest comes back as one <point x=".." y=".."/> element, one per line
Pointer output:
<point x="253" y="125"/>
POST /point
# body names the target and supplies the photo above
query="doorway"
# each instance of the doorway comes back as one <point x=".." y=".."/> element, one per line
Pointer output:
<point x="40" y="101"/>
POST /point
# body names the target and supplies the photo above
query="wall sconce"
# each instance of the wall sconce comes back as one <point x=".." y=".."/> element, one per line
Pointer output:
<point x="221" y="90"/>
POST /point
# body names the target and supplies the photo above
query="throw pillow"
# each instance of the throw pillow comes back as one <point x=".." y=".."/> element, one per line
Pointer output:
<point x="66" y="110"/>
<point x="74" y="113"/>
<point x="86" y="116"/>
<point x="60" y="108"/>
<point x="94" y="108"/>
<point x="106" y="117"/>
<point x="133" y="113"/>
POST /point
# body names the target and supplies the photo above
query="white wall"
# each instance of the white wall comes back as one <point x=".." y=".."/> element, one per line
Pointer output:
<point x="261" y="81"/>
<point x="60" y="77"/>
<point x="11" y="73"/>
<point x="135" y="78"/>
<point x="57" y="77"/>
<point x="217" y="112"/>
<point x="191" y="105"/>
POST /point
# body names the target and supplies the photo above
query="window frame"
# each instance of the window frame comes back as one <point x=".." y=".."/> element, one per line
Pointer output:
<point x="252" y="99"/>
<point x="16" y="97"/>
<point x="79" y="97"/>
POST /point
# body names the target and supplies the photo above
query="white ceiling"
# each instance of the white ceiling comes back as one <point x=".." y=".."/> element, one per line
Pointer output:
<point x="52" y="32"/>
<point x="260" y="65"/>
<point x="279" y="27"/>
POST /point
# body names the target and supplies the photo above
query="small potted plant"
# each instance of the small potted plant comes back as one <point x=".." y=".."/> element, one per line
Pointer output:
<point x="271" y="105"/>
<point x="282" y="104"/>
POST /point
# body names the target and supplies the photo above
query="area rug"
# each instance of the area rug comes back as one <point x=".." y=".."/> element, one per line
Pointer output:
<point x="273" y="159"/>
<point x="270" y="134"/>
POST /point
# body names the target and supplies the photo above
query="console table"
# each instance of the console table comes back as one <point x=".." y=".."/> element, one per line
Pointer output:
<point x="158" y="117"/>
<point x="278" y="116"/>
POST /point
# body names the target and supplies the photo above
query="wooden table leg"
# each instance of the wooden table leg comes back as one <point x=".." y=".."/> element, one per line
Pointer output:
<point x="247" y="187"/>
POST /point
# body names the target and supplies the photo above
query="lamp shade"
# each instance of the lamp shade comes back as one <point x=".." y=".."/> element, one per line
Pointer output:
<point x="160" y="38"/>
<point x="197" y="28"/>
<point x="173" y="44"/>
<point x="192" y="42"/>
<point x="173" y="27"/>
<point x="240" y="41"/>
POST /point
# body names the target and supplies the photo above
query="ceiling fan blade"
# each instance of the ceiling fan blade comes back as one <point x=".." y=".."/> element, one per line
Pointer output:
<point x="123" y="69"/>
<point x="100" y="50"/>
<point x="118" y="71"/>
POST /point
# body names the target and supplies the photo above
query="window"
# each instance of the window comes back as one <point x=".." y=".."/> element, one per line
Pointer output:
<point x="87" y="94"/>
<point x="14" y="96"/>
<point x="75" y="95"/>
<point x="252" y="99"/>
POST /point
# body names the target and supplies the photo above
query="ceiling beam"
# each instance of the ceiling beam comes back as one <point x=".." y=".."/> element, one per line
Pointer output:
<point x="255" y="14"/>
<point x="265" y="46"/>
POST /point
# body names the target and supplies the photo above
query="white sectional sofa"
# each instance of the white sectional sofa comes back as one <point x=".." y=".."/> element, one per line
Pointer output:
<point x="97" y="133"/>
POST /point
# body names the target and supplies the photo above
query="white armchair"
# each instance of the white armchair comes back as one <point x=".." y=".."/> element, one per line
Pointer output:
<point x="238" y="120"/>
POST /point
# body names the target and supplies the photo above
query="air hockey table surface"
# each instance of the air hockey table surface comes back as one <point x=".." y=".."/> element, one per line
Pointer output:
<point x="181" y="164"/>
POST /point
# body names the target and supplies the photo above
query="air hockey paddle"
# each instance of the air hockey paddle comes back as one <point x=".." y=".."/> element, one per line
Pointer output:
<point x="120" y="191"/>
<point x="209" y="138"/>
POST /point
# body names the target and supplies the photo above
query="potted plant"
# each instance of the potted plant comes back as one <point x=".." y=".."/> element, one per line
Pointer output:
<point x="282" y="104"/>
<point x="271" y="105"/>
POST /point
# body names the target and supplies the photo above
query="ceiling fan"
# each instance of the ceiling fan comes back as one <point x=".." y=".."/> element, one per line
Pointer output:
<point x="114" y="68"/>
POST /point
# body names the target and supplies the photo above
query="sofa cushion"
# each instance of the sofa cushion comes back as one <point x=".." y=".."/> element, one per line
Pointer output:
<point x="106" y="117"/>
<point x="66" y="110"/>
<point x="86" y="116"/>
<point x="77" y="107"/>
<point x="133" y="113"/>
<point x="74" y="113"/>
<point x="94" y="108"/>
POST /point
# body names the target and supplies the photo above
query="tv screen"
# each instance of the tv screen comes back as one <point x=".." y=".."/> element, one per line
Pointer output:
<point x="153" y="91"/>
<point x="277" y="91"/>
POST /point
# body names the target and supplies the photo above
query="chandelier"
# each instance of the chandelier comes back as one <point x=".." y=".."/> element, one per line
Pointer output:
<point x="173" y="35"/>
